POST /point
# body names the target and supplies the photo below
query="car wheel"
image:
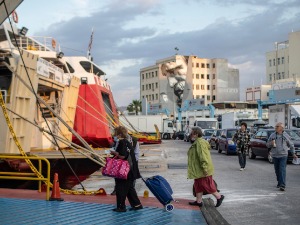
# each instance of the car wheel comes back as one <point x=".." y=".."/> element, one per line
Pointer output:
<point x="165" y="136"/>
<point x="219" y="150"/>
<point x="251" y="155"/>
<point x="270" y="158"/>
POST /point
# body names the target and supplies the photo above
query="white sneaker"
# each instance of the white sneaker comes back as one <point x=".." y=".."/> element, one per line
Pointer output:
<point x="241" y="169"/>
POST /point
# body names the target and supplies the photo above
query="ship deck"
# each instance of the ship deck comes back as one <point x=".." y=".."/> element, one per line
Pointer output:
<point x="20" y="206"/>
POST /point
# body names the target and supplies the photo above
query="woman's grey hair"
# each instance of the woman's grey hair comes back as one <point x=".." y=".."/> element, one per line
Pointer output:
<point x="197" y="131"/>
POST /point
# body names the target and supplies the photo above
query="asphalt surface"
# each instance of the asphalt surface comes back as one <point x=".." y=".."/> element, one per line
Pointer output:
<point x="251" y="196"/>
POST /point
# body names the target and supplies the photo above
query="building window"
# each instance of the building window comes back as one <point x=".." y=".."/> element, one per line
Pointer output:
<point x="203" y="96"/>
<point x="152" y="96"/>
<point x="202" y="65"/>
<point x="214" y="65"/>
<point x="214" y="98"/>
<point x="278" y="61"/>
<point x="142" y="87"/>
<point x="202" y="87"/>
<point x="214" y="76"/>
<point x="207" y="65"/>
<point x="208" y="97"/>
<point x="197" y="86"/>
<point x="143" y="76"/>
<point x="270" y="62"/>
<point x="270" y="77"/>
<point x="274" y="75"/>
<point x="156" y="85"/>
<point x="208" y="87"/>
<point x="274" y="62"/>
<point x="282" y="60"/>
<point x="282" y="75"/>
<point x="202" y="76"/>
<point x="207" y="76"/>
<point x="279" y="76"/>
<point x="156" y="96"/>
<point x="197" y="64"/>
<point x="214" y="87"/>
<point x="197" y="76"/>
<point x="156" y="73"/>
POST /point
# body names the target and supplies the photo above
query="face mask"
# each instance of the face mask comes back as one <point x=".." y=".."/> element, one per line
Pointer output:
<point x="116" y="139"/>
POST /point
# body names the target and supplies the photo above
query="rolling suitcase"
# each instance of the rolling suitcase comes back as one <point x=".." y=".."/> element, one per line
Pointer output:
<point x="161" y="189"/>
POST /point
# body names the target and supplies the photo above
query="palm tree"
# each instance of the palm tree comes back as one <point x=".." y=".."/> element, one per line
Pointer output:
<point x="136" y="106"/>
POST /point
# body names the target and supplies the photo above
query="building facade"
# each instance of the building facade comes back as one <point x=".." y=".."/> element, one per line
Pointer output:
<point x="178" y="78"/>
<point x="282" y="64"/>
<point x="257" y="93"/>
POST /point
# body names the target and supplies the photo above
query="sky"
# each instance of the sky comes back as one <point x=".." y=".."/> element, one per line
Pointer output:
<point x="133" y="34"/>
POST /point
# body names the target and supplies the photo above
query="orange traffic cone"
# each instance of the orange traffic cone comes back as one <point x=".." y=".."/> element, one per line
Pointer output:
<point x="55" y="196"/>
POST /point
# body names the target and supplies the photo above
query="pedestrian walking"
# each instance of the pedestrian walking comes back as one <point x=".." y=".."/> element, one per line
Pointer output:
<point x="201" y="169"/>
<point x="241" y="139"/>
<point x="125" y="188"/>
<point x="134" y="142"/>
<point x="280" y="142"/>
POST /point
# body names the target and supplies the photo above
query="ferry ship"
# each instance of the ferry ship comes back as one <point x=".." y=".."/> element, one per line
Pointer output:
<point x="60" y="107"/>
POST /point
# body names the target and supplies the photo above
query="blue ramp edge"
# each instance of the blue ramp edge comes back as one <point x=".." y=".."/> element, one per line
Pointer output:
<point x="24" y="211"/>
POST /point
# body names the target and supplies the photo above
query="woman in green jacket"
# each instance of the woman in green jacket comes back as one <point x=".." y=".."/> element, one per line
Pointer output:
<point x="201" y="169"/>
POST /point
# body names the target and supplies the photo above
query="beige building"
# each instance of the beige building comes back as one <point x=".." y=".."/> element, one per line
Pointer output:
<point x="257" y="93"/>
<point x="178" y="78"/>
<point x="282" y="64"/>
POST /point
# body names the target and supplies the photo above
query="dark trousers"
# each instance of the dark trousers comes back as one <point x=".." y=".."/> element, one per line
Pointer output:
<point x="280" y="170"/>
<point x="125" y="188"/>
<point x="242" y="157"/>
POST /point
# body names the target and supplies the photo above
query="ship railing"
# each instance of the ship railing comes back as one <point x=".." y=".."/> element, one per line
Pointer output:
<point x="5" y="95"/>
<point x="37" y="43"/>
<point x="27" y="175"/>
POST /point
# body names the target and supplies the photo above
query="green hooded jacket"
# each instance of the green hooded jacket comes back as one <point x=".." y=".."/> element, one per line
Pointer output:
<point x="199" y="160"/>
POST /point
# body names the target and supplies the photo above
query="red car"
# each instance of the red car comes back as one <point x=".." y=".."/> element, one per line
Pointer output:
<point x="257" y="144"/>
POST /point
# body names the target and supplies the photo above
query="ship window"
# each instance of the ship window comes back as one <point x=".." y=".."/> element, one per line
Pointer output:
<point x="70" y="68"/>
<point x="91" y="68"/>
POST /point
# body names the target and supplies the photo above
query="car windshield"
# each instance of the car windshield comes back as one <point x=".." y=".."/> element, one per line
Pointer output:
<point x="230" y="133"/>
<point x="294" y="136"/>
<point x="208" y="132"/>
<point x="270" y="132"/>
<point x="218" y="133"/>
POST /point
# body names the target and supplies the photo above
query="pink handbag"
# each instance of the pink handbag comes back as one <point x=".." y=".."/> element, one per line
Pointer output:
<point x="117" y="168"/>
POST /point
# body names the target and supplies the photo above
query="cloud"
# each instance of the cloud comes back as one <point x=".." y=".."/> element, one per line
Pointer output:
<point x="123" y="49"/>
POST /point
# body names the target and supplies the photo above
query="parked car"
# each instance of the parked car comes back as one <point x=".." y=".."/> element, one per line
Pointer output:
<point x="296" y="131"/>
<point x="214" y="139"/>
<point x="257" y="144"/>
<point x="225" y="141"/>
<point x="179" y="135"/>
<point x="207" y="133"/>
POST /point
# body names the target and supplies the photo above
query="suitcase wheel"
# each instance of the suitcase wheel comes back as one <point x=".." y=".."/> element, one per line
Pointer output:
<point x="169" y="207"/>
